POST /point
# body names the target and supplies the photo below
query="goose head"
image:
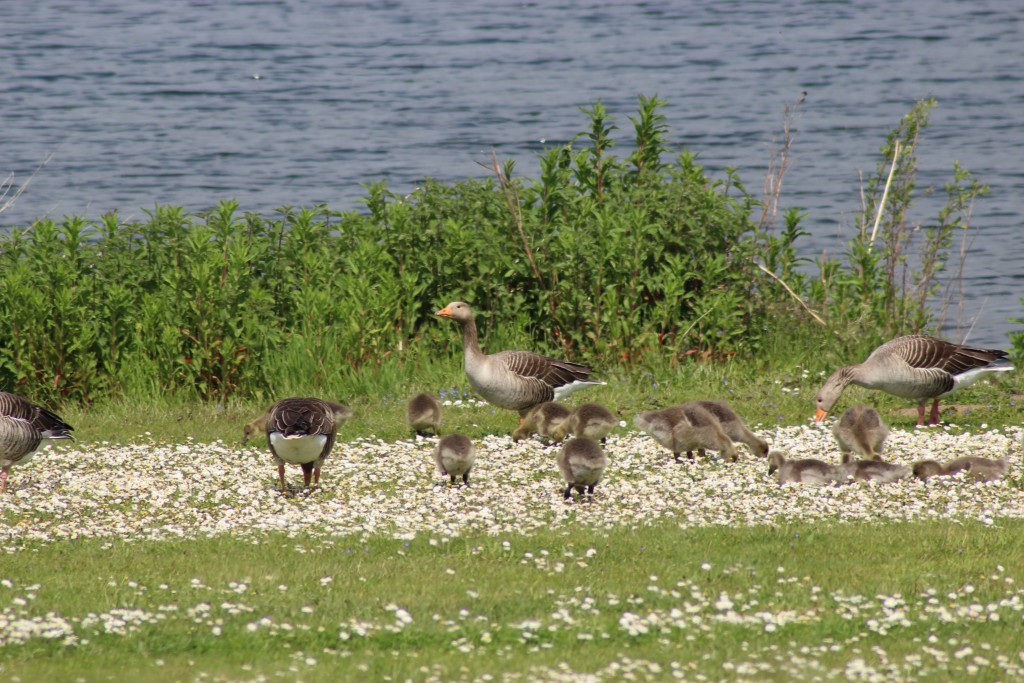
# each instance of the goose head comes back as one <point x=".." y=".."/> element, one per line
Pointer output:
<point x="830" y="393"/>
<point x="456" y="310"/>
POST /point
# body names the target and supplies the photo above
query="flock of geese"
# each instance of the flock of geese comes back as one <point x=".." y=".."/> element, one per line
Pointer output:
<point x="302" y="431"/>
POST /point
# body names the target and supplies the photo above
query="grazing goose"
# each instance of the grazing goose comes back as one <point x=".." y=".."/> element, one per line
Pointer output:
<point x="805" y="471"/>
<point x="455" y="456"/>
<point x="686" y="427"/>
<point x="734" y="428"/>
<point x="422" y="413"/>
<point x="861" y="430"/>
<point x="915" y="367"/>
<point x="977" y="468"/>
<point x="588" y="420"/>
<point x="300" y="431"/>
<point x="545" y="419"/>
<point x="874" y="470"/>
<point x="582" y="462"/>
<point x="515" y="380"/>
<point x="25" y="428"/>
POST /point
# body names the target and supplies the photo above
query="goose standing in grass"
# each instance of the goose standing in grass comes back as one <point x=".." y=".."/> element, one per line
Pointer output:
<point x="300" y="431"/>
<point x="874" y="470"/>
<point x="582" y="462"/>
<point x="805" y="471"/>
<point x="515" y="380"/>
<point x="25" y="429"/>
<point x="686" y="427"/>
<point x="423" y="412"/>
<point x="455" y="455"/>
<point x="589" y="420"/>
<point x="734" y="428"/>
<point x="977" y="468"/>
<point x="861" y="430"/>
<point x="916" y="367"/>
<point x="546" y="419"/>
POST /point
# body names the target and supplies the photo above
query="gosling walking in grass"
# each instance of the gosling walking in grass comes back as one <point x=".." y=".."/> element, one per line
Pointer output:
<point x="582" y="462"/>
<point x="975" y="467"/>
<point x="686" y="427"/>
<point x="25" y="429"/>
<point x="588" y="420"/>
<point x="455" y="456"/>
<point x="733" y="426"/>
<point x="861" y="430"/>
<point x="423" y="413"/>
<point x="546" y="420"/>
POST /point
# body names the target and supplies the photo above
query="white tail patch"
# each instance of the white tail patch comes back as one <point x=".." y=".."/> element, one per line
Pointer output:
<point x="298" y="449"/>
<point x="966" y="379"/>
<point x="566" y="389"/>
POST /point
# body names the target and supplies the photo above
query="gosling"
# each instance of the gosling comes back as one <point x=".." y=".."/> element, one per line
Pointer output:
<point x="545" y="419"/>
<point x="861" y="430"/>
<point x="686" y="427"/>
<point x="582" y="462"/>
<point x="455" y="455"/>
<point x="734" y="428"/>
<point x="422" y="413"/>
<point x="977" y="468"/>
<point x="588" y="420"/>
<point x="875" y="470"/>
<point x="806" y="471"/>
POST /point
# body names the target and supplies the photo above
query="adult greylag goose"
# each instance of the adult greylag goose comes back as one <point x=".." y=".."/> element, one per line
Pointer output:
<point x="545" y="419"/>
<point x="734" y="428"/>
<point x="423" y="412"/>
<point x="455" y="455"/>
<point x="861" y="430"/>
<point x="686" y="427"/>
<point x="916" y="367"/>
<point x="300" y="431"/>
<point x="25" y="429"/>
<point x="582" y="462"/>
<point x="515" y="380"/>
<point x="874" y="470"/>
<point x="977" y="468"/>
<point x="590" y="420"/>
<point x="804" y="471"/>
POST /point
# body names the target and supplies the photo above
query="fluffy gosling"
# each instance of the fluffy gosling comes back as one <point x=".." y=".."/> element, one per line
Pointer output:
<point x="423" y="413"/>
<point x="582" y="462"/>
<point x="455" y="455"/>
<point x="977" y="468"/>
<point x="875" y="470"/>
<point x="805" y="471"/>
<point x="861" y="430"/>
<point x="686" y="427"/>
<point x="545" y="419"/>
<point x="734" y="428"/>
<point x="589" y="420"/>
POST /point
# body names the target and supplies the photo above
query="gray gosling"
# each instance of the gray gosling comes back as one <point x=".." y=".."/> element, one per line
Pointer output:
<point x="455" y="455"/>
<point x="422" y="413"/>
<point x="875" y="470"/>
<point x="686" y="427"/>
<point x="589" y="420"/>
<point x="582" y="462"/>
<point x="734" y="428"/>
<point x="977" y="468"/>
<point x="806" y="471"/>
<point x="861" y="430"/>
<point x="545" y="419"/>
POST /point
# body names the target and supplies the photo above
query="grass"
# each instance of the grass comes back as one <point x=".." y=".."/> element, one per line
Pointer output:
<point x="782" y="603"/>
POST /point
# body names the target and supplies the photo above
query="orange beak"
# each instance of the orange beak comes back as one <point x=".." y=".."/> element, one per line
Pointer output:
<point x="445" y="312"/>
<point x="820" y="415"/>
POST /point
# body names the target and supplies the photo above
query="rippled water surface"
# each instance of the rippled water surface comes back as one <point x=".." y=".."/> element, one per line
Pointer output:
<point x="297" y="102"/>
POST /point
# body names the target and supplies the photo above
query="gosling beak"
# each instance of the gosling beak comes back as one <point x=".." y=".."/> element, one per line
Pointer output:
<point x="820" y="415"/>
<point x="445" y="312"/>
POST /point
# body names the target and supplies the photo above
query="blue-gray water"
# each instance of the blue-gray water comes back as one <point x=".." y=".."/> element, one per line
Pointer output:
<point x="299" y="101"/>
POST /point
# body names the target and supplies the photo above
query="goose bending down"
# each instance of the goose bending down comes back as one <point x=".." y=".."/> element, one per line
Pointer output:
<point x="874" y="470"/>
<point x="25" y="429"/>
<point x="582" y="462"/>
<point x="686" y="427"/>
<point x="515" y="380"/>
<point x="589" y="420"/>
<point x="977" y="468"/>
<point x="805" y="471"/>
<point x="861" y="430"/>
<point x="916" y="367"/>
<point x="423" y="412"/>
<point x="545" y="419"/>
<point x="455" y="455"/>
<point x="300" y="431"/>
<point x="734" y="428"/>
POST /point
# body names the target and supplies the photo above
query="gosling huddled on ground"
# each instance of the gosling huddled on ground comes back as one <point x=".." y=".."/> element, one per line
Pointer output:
<point x="589" y="420"/>
<point x="976" y="468"/>
<point x="424" y="413"/>
<point x="455" y="455"/>
<point x="734" y="428"/>
<point x="545" y="419"/>
<point x="861" y="430"/>
<point x="686" y="427"/>
<point x="582" y="462"/>
<point x="875" y="470"/>
<point x="805" y="471"/>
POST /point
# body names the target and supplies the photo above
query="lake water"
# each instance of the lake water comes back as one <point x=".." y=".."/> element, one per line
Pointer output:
<point x="300" y="101"/>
